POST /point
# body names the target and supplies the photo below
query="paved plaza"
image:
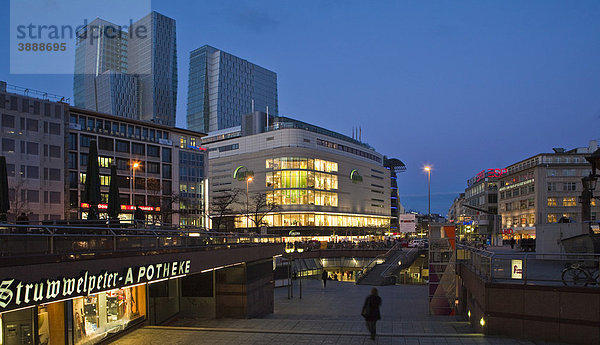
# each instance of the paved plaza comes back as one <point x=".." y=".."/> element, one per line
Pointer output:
<point x="326" y="316"/>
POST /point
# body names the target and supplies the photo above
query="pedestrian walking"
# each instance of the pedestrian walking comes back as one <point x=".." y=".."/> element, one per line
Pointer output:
<point x="512" y="243"/>
<point x="324" y="277"/>
<point x="370" y="312"/>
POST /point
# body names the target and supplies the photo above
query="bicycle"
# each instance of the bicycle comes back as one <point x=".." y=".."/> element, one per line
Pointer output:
<point x="578" y="275"/>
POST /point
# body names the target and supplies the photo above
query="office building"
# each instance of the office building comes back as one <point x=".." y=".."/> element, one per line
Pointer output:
<point x="33" y="132"/>
<point x="153" y="59"/>
<point x="480" y="211"/>
<point x="128" y="73"/>
<point x="322" y="182"/>
<point x="544" y="189"/>
<point x="170" y="176"/>
<point x="223" y="87"/>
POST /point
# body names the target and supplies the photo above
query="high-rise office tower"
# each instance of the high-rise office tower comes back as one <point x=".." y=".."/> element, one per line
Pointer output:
<point x="223" y="87"/>
<point x="153" y="59"/>
<point x="128" y="73"/>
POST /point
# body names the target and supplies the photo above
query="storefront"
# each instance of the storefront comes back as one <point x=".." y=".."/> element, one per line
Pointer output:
<point x="90" y="307"/>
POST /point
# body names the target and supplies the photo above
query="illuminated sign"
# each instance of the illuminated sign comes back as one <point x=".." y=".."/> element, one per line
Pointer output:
<point x="355" y="176"/>
<point x="196" y="148"/>
<point x="516" y="269"/>
<point x="406" y="222"/>
<point x="507" y="231"/>
<point x="491" y="173"/>
<point x="123" y="207"/>
<point x="15" y="294"/>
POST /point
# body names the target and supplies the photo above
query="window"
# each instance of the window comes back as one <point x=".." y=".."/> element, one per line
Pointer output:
<point x="570" y="186"/>
<point x="54" y="174"/>
<point x="572" y="201"/>
<point x="105" y="162"/>
<point x="8" y="145"/>
<point x="508" y="206"/>
<point x="551" y="186"/>
<point x="569" y="172"/>
<point x="552" y="202"/>
<point x="166" y="155"/>
<point x="138" y="149"/>
<point x="54" y="128"/>
<point x="153" y="168"/>
<point x="153" y="151"/>
<point x="10" y="169"/>
<point x="32" y="125"/>
<point x="552" y="218"/>
<point x="84" y="140"/>
<point x="166" y="171"/>
<point x="33" y="172"/>
<point x="33" y="196"/>
<point x="72" y="141"/>
<point x="83" y="159"/>
<point x="55" y="198"/>
<point x="8" y="121"/>
<point x="33" y="148"/>
<point x="105" y="144"/>
<point x="72" y="162"/>
<point x="122" y="164"/>
<point x="55" y="151"/>
<point x="122" y="146"/>
<point x="523" y="204"/>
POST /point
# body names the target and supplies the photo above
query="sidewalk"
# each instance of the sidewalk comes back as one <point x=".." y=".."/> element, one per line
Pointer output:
<point x="326" y="316"/>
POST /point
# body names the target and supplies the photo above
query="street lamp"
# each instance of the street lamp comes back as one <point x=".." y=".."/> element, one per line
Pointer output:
<point x="428" y="169"/>
<point x="248" y="180"/>
<point x="589" y="184"/>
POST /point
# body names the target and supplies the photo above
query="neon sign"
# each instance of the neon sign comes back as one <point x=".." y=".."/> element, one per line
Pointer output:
<point x="123" y="207"/>
<point x="490" y="173"/>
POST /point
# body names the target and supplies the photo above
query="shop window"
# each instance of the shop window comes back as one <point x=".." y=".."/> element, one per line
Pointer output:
<point x="98" y="316"/>
<point x="552" y="218"/>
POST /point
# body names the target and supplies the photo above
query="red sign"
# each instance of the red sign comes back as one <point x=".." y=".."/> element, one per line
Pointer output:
<point x="490" y="173"/>
<point x="507" y="231"/>
<point x="123" y="207"/>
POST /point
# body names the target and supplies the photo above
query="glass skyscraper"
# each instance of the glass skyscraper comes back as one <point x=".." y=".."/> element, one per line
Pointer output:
<point x="127" y="75"/>
<point x="223" y="87"/>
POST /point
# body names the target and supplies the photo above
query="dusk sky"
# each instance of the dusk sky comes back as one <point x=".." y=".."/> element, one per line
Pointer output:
<point x="460" y="85"/>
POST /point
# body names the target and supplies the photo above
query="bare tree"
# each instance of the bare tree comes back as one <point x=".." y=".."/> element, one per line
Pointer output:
<point x="18" y="199"/>
<point x="222" y="207"/>
<point x="259" y="207"/>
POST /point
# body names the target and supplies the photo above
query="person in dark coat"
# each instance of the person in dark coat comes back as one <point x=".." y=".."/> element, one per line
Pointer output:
<point x="371" y="313"/>
<point x="324" y="277"/>
<point x="512" y="243"/>
<point x="138" y="216"/>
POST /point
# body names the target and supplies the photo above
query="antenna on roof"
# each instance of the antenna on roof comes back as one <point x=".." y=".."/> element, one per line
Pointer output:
<point x="267" y="117"/>
<point x="253" y="105"/>
<point x="360" y="134"/>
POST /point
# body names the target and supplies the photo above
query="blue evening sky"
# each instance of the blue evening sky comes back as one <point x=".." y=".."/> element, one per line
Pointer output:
<point x="460" y="85"/>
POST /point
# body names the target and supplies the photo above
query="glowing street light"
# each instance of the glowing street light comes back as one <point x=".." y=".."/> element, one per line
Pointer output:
<point x="248" y="180"/>
<point x="428" y="169"/>
<point x="134" y="167"/>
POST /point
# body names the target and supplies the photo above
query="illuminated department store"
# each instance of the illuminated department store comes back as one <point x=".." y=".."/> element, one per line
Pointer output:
<point x="323" y="182"/>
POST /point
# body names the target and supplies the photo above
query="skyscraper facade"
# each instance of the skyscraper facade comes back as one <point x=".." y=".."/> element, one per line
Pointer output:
<point x="153" y="58"/>
<point x="128" y="73"/>
<point x="223" y="87"/>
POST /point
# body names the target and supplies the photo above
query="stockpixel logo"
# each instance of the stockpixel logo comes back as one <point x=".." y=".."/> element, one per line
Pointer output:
<point x="45" y="35"/>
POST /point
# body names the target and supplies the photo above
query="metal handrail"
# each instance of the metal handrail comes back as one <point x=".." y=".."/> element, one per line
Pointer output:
<point x="536" y="268"/>
<point x="28" y="240"/>
<point x="363" y="272"/>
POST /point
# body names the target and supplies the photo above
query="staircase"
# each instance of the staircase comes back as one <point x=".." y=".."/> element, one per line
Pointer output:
<point x="382" y="270"/>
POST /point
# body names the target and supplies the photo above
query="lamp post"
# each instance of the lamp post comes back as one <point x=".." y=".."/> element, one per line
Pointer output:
<point x="589" y="185"/>
<point x="428" y="169"/>
<point x="248" y="180"/>
<point x="134" y="167"/>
